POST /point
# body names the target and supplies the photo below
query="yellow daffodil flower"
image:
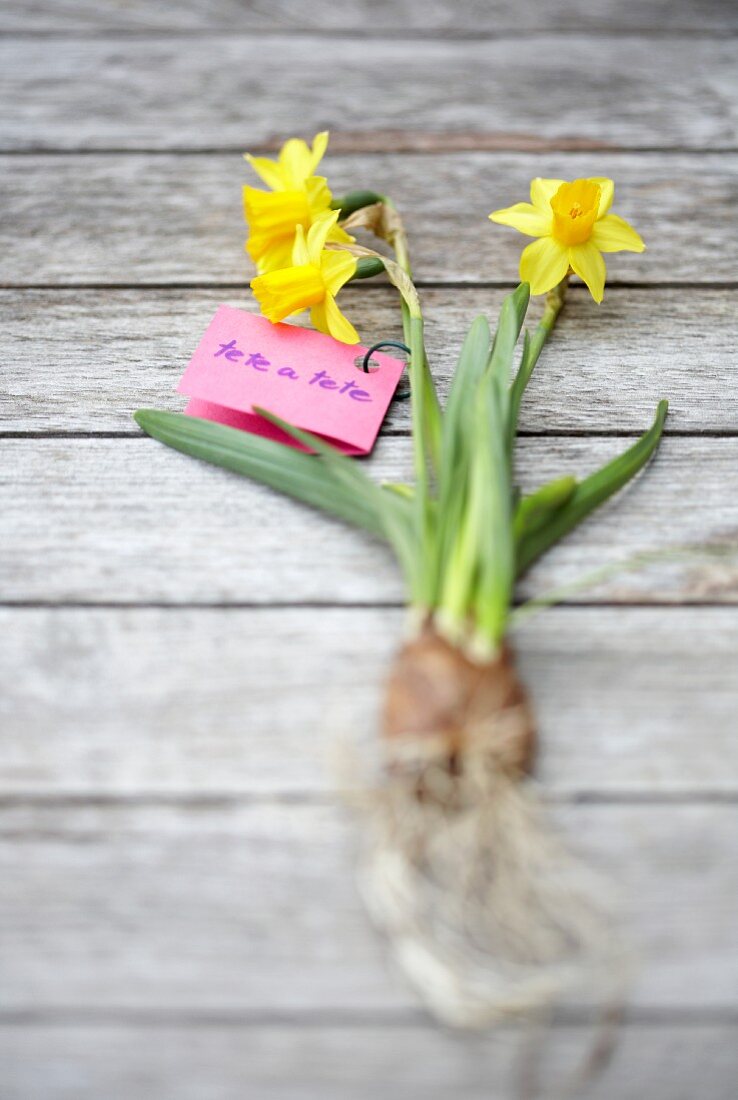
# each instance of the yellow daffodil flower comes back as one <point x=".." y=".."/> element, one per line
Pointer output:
<point x="312" y="282"/>
<point x="295" y="164"/>
<point x="573" y="227"/>
<point x="297" y="197"/>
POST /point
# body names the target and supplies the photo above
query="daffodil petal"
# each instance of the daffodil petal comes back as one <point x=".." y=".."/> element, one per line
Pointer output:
<point x="318" y="318"/>
<point x="300" y="252"/>
<point x="268" y="171"/>
<point x="588" y="264"/>
<point x="607" y="193"/>
<point x="273" y="257"/>
<point x="295" y="160"/>
<point x="336" y="269"/>
<point x="320" y="144"/>
<point x="542" y="191"/>
<point x="543" y="264"/>
<point x="339" y="326"/>
<point x="318" y="193"/>
<point x="318" y="234"/>
<point x="524" y="217"/>
<point x="340" y="236"/>
<point x="614" y="234"/>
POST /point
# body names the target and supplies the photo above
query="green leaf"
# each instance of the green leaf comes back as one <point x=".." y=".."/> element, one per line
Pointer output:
<point x="490" y="497"/>
<point x="401" y="488"/>
<point x="396" y="512"/>
<point x="535" y="510"/>
<point x="532" y="347"/>
<point x="512" y="315"/>
<point x="309" y="479"/>
<point x="329" y="481"/>
<point x="590" y="493"/>
<point x="471" y="365"/>
<point x="455" y="451"/>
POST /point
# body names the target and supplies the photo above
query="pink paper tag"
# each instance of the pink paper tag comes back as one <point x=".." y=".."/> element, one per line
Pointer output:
<point x="305" y="377"/>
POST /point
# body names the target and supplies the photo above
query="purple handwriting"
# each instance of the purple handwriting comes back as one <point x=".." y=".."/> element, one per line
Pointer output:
<point x="320" y="378"/>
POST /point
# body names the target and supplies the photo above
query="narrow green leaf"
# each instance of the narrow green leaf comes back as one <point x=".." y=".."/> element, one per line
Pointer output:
<point x="472" y="361"/>
<point x="512" y="315"/>
<point x="329" y="481"/>
<point x="401" y="488"/>
<point x="396" y="514"/>
<point x="491" y="497"/>
<point x="534" y="510"/>
<point x="591" y="492"/>
<point x="455" y="452"/>
<point x="309" y="479"/>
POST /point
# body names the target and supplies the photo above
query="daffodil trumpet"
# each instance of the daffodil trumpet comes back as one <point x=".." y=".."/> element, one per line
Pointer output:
<point x="482" y="907"/>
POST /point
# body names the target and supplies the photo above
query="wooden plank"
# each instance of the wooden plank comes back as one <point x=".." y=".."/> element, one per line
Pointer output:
<point x="183" y="93"/>
<point x="605" y="369"/>
<point x="130" y="520"/>
<point x="253" y="907"/>
<point x="206" y="702"/>
<point x="71" y="1061"/>
<point x="373" y="17"/>
<point x="122" y="219"/>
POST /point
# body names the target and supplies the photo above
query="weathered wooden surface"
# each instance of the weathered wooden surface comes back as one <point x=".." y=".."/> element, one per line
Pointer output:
<point x="252" y="906"/>
<point x="146" y="701"/>
<point x="80" y="528"/>
<point x="178" y="916"/>
<point x="122" y="219"/>
<point x="233" y="1059"/>
<point x="605" y="372"/>
<point x="370" y="17"/>
<point x="184" y="93"/>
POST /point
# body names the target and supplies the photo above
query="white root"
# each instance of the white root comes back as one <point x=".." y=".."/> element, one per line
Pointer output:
<point x="484" y="909"/>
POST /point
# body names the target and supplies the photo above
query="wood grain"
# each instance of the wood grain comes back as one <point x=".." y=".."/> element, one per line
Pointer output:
<point x="252" y="907"/>
<point x="370" y="17"/>
<point x="123" y="219"/>
<point x="165" y="93"/>
<point x="194" y="703"/>
<point x="129" y="520"/>
<point x="80" y="360"/>
<point x="178" y="915"/>
<point x="231" y="1060"/>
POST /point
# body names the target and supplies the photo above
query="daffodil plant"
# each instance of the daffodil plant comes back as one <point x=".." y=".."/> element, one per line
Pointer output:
<point x="462" y="531"/>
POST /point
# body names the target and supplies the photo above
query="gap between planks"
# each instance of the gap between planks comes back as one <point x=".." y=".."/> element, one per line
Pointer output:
<point x="424" y="144"/>
<point x="344" y="1018"/>
<point x="421" y="284"/>
<point x="225" y="800"/>
<point x="375" y="34"/>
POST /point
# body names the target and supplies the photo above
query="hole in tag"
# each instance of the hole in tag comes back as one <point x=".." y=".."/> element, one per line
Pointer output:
<point x="373" y="365"/>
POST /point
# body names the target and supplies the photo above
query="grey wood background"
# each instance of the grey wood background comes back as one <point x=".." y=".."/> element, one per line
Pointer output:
<point x="181" y="651"/>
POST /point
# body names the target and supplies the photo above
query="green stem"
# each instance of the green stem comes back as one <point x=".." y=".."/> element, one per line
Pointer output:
<point x="533" y="347"/>
<point x="421" y="499"/>
<point x="431" y="405"/>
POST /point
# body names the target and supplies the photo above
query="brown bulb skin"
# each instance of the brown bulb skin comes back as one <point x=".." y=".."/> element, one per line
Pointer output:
<point x="440" y="704"/>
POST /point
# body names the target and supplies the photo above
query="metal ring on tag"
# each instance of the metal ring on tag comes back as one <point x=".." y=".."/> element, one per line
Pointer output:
<point x="368" y="365"/>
